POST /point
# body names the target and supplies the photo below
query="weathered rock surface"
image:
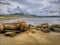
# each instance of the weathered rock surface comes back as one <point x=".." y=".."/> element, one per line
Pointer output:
<point x="22" y="26"/>
<point x="55" y="27"/>
<point x="11" y="26"/>
<point x="43" y="27"/>
<point x="1" y="28"/>
<point x="11" y="34"/>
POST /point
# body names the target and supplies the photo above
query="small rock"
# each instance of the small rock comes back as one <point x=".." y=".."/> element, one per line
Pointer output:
<point x="33" y="31"/>
<point x="46" y="30"/>
<point x="11" y="34"/>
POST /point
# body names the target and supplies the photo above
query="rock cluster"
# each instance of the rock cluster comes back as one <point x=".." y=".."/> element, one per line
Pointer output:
<point x="43" y="27"/>
<point x="11" y="29"/>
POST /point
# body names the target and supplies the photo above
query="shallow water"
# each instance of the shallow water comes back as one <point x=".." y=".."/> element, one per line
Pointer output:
<point x="35" y="20"/>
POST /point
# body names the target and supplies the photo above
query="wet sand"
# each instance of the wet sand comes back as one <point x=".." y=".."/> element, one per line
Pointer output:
<point x="28" y="38"/>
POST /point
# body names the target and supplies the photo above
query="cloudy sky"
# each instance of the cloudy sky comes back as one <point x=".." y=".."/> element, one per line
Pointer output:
<point x="37" y="7"/>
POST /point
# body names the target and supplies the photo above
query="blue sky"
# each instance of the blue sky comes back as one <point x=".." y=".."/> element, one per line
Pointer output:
<point x="37" y="7"/>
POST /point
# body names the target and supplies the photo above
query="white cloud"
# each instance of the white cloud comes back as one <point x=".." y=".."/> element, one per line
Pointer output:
<point x="38" y="7"/>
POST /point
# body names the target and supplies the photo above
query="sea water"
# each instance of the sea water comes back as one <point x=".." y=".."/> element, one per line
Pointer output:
<point x="34" y="20"/>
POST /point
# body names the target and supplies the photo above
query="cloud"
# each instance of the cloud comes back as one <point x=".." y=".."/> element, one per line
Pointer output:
<point x="37" y="7"/>
<point x="55" y="1"/>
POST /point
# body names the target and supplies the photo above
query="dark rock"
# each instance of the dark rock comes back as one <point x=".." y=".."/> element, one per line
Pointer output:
<point x="11" y="34"/>
<point x="46" y="30"/>
<point x="43" y="27"/>
<point x="55" y="27"/>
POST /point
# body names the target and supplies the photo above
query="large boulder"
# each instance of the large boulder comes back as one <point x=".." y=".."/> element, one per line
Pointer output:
<point x="22" y="26"/>
<point x="38" y="27"/>
<point x="43" y="27"/>
<point x="1" y="28"/>
<point x="11" y="26"/>
<point x="55" y="27"/>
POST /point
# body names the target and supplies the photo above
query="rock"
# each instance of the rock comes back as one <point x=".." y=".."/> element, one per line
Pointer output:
<point x="11" y="26"/>
<point x="33" y="31"/>
<point x="38" y="29"/>
<point x="45" y="25"/>
<point x="46" y="30"/>
<point x="11" y="34"/>
<point x="38" y="26"/>
<point x="55" y="27"/>
<point x="1" y="28"/>
<point x="30" y="26"/>
<point x="17" y="32"/>
<point x="22" y="26"/>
